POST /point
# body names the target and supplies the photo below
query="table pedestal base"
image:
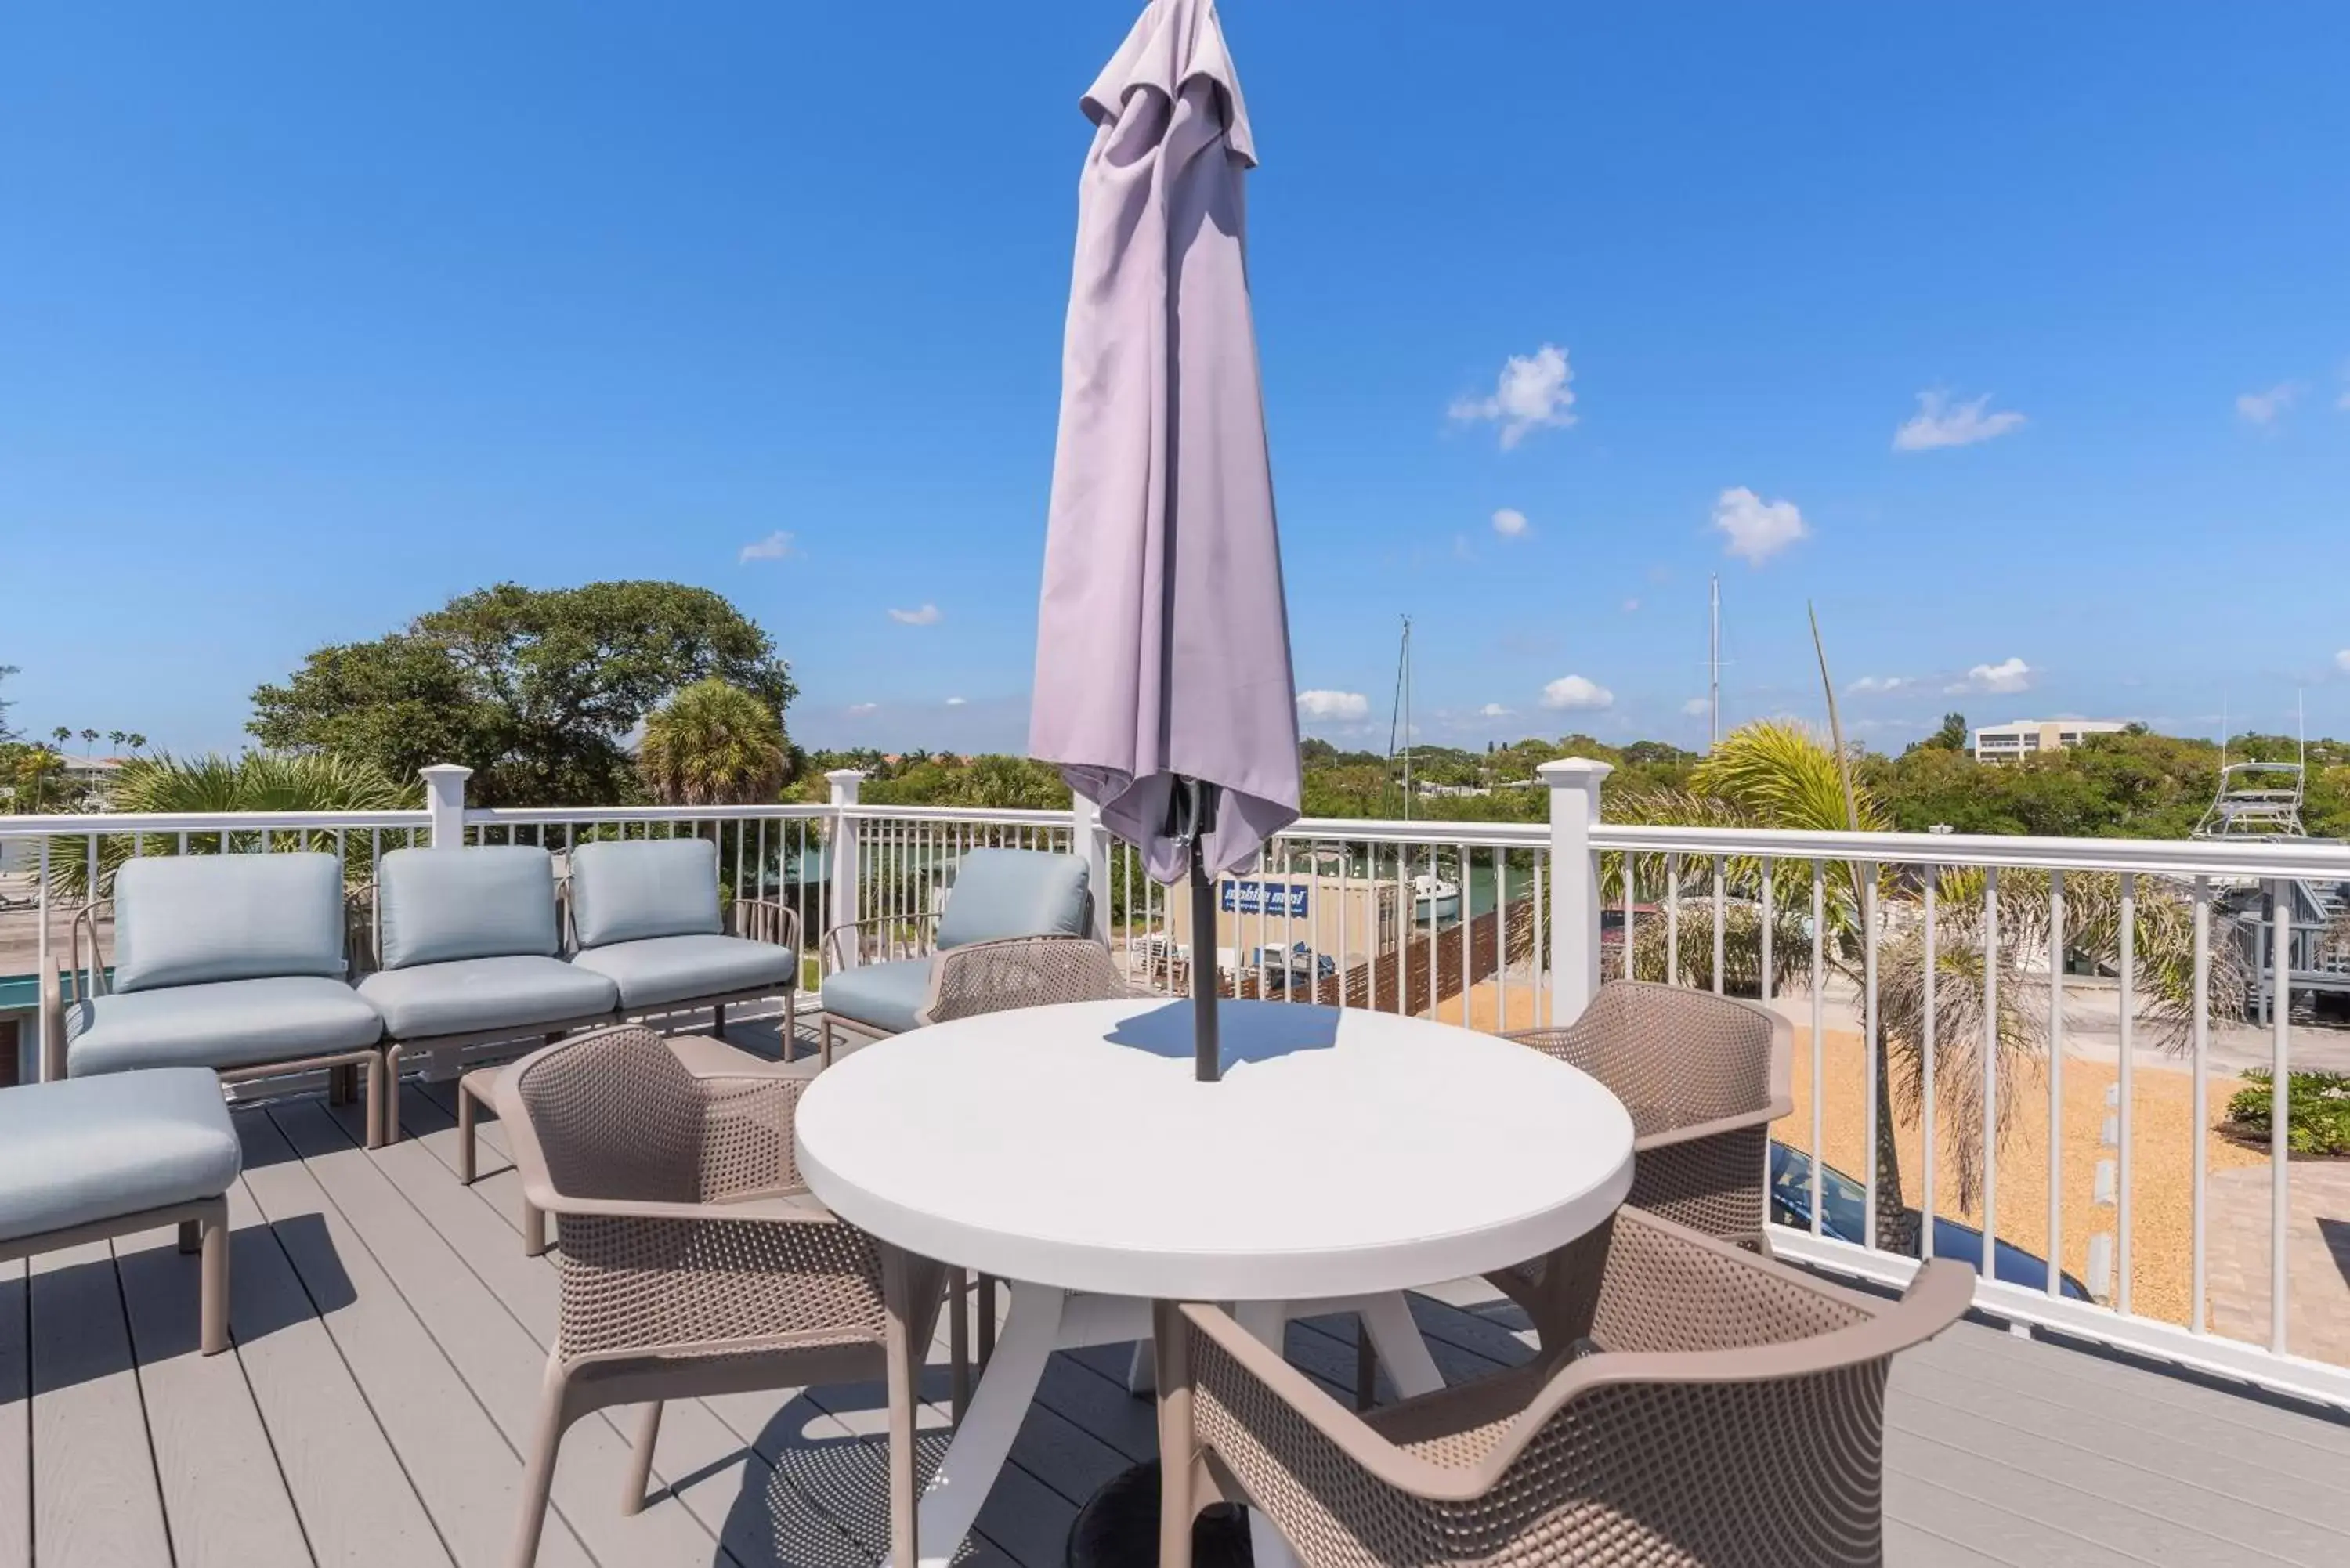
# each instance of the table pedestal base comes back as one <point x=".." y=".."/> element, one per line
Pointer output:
<point x="1118" y="1528"/>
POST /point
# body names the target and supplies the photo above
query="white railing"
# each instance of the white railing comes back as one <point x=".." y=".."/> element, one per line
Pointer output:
<point x="1508" y="926"/>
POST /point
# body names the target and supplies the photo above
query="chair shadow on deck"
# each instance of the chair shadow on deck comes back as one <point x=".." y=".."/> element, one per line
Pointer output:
<point x="160" y="1286"/>
<point x="825" y="1502"/>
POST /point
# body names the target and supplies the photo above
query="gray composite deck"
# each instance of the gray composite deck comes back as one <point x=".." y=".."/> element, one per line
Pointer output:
<point x="390" y="1336"/>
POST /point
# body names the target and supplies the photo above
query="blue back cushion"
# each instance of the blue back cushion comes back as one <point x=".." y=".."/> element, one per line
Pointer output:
<point x="625" y="892"/>
<point x="187" y="920"/>
<point x="494" y="900"/>
<point x="1001" y="893"/>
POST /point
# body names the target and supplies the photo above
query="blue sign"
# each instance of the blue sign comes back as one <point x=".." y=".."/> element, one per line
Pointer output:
<point x="1274" y="898"/>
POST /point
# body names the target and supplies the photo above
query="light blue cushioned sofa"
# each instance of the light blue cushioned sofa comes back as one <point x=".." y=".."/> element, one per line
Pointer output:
<point x="645" y="915"/>
<point x="231" y="962"/>
<point x="870" y="991"/>
<point x="470" y="953"/>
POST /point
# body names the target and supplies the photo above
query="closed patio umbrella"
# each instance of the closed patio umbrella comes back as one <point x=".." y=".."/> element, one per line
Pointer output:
<point x="1163" y="689"/>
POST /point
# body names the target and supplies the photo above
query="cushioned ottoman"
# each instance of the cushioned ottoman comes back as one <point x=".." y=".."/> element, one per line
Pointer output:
<point x="85" y="1158"/>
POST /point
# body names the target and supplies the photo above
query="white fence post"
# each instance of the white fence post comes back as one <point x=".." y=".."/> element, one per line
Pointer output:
<point x="1089" y="838"/>
<point x="845" y="783"/>
<point x="444" y="797"/>
<point x="1574" y="884"/>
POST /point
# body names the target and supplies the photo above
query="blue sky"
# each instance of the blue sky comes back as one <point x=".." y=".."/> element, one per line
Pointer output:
<point x="311" y="320"/>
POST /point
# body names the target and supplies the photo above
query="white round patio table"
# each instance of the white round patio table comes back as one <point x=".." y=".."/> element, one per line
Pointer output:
<point x="1344" y="1156"/>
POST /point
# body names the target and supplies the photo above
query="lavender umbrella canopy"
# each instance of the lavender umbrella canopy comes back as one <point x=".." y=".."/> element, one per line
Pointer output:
<point x="1162" y="642"/>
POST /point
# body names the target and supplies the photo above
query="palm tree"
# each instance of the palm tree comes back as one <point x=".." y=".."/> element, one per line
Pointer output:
<point x="714" y="745"/>
<point x="88" y="738"/>
<point x="138" y="742"/>
<point x="37" y="768"/>
<point x="62" y="734"/>
<point x="116" y="737"/>
<point x="257" y="780"/>
<point x="1781" y="775"/>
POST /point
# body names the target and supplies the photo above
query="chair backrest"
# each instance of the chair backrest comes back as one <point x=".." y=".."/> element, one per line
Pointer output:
<point x="1737" y="1407"/>
<point x="611" y="1113"/>
<point x="1001" y="893"/>
<point x="487" y="901"/>
<point x="625" y="892"/>
<point x="1023" y="971"/>
<point x="1702" y="1055"/>
<point x="190" y="919"/>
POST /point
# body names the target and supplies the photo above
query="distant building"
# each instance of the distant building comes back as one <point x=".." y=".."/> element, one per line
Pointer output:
<point x="2021" y="738"/>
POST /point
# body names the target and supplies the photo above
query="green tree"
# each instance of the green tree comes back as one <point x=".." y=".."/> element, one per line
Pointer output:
<point x="35" y="772"/>
<point x="116" y="737"/>
<point x="88" y="738"/>
<point x="535" y="690"/>
<point x="1952" y="736"/>
<point x="62" y="734"/>
<point x="6" y="734"/>
<point x="138" y="742"/>
<point x="256" y="781"/>
<point x="714" y="745"/>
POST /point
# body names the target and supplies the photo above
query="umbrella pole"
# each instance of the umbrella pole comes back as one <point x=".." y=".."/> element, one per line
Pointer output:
<point x="1207" y="1054"/>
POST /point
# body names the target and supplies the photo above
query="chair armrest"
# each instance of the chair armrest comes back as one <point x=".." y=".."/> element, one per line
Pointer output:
<point x="1718" y="1126"/>
<point x="1356" y="1441"/>
<point x="771" y="1209"/>
<point x="832" y="955"/>
<point x="773" y="922"/>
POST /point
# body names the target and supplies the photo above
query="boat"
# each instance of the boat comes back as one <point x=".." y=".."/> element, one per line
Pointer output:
<point x="1434" y="900"/>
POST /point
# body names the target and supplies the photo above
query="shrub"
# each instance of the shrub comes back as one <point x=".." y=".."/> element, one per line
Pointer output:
<point x="2317" y="1110"/>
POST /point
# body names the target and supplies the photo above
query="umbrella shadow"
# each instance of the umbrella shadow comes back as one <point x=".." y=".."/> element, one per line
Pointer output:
<point x="1271" y="1032"/>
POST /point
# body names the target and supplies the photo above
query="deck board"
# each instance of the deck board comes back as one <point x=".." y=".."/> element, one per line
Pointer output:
<point x="390" y="1336"/>
<point x="95" y="1498"/>
<point x="224" y="1497"/>
<point x="355" y="1503"/>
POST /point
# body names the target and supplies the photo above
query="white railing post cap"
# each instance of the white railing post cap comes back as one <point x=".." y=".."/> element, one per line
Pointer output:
<point x="452" y="773"/>
<point x="1569" y="772"/>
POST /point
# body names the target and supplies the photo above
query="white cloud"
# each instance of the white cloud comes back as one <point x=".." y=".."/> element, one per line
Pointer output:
<point x="1493" y="711"/>
<point x="1510" y="523"/>
<point x="1631" y="605"/>
<point x="1573" y="692"/>
<point x="1755" y="528"/>
<point x="2262" y="408"/>
<point x="1532" y="392"/>
<point x="776" y="546"/>
<point x="1697" y="707"/>
<point x="859" y="709"/>
<point x="1876" y="685"/>
<point x="2007" y="675"/>
<point x="1329" y="705"/>
<point x="1942" y="422"/>
<point x="926" y="615"/>
<point x="955" y="702"/>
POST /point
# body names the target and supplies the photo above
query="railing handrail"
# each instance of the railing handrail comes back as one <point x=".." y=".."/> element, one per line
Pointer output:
<point x="2169" y="856"/>
<point x="109" y="824"/>
<point x="527" y="816"/>
<point x="1019" y="816"/>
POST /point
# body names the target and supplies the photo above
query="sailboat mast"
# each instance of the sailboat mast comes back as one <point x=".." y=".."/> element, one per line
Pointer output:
<point x="1714" y="661"/>
<point x="1407" y="717"/>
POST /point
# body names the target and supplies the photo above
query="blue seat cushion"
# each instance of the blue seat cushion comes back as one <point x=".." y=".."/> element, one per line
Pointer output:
<point x="83" y="1150"/>
<point x="186" y="919"/>
<point x="882" y="995"/>
<point x="227" y="1024"/>
<point x="627" y="891"/>
<point x="493" y="900"/>
<point x="469" y="996"/>
<point x="675" y="969"/>
<point x="1004" y="893"/>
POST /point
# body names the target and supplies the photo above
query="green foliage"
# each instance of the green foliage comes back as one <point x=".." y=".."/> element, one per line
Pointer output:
<point x="257" y="780"/>
<point x="713" y="744"/>
<point x="1951" y="736"/>
<point x="993" y="781"/>
<point x="2317" y="1110"/>
<point x="34" y="774"/>
<point x="1655" y="947"/>
<point x="534" y="689"/>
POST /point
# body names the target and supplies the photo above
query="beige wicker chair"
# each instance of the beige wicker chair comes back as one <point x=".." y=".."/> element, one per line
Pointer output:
<point x="692" y="1261"/>
<point x="1021" y="972"/>
<point x="1704" y="1077"/>
<point x="1720" y="1409"/>
<point x="997" y="977"/>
